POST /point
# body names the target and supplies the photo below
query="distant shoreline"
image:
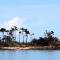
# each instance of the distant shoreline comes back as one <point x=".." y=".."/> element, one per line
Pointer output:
<point x="29" y="48"/>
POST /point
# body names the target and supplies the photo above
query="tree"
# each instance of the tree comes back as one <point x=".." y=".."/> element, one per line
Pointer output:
<point x="3" y="30"/>
<point x="50" y="34"/>
<point x="7" y="31"/>
<point x="32" y="35"/>
<point x="19" y="36"/>
<point x="34" y="40"/>
<point x="22" y="31"/>
<point x="50" y="39"/>
<point x="7" y="39"/>
<point x="11" y="33"/>
<point x="26" y="32"/>
<point x="15" y="29"/>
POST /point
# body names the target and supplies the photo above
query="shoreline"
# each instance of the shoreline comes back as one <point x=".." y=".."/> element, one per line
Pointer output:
<point x="29" y="48"/>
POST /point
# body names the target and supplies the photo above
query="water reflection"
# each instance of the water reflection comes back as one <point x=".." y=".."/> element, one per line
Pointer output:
<point x="29" y="55"/>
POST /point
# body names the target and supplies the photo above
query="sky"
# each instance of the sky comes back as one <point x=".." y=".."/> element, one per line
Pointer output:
<point x="35" y="15"/>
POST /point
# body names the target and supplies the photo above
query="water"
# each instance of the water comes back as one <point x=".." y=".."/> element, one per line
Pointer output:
<point x="29" y="55"/>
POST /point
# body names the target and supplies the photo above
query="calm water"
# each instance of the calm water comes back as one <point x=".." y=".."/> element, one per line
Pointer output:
<point x="29" y="55"/>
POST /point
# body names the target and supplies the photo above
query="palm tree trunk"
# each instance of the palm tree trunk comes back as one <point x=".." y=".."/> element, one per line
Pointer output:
<point x="31" y="39"/>
<point x="3" y="34"/>
<point x="15" y="35"/>
<point x="26" y="39"/>
<point x="19" y="38"/>
<point x="23" y="39"/>
<point x="7" y="33"/>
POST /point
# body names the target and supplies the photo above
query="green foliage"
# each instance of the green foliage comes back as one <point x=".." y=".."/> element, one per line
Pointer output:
<point x="9" y="40"/>
<point x="47" y="40"/>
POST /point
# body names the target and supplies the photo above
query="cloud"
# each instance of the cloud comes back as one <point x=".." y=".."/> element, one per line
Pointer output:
<point x="16" y="21"/>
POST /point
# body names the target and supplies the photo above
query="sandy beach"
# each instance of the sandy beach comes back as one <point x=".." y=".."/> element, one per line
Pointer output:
<point x="29" y="48"/>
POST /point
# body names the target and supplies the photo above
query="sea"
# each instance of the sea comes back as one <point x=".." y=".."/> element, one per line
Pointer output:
<point x="29" y="54"/>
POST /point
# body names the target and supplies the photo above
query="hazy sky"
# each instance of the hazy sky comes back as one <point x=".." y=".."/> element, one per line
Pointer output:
<point x="36" y="15"/>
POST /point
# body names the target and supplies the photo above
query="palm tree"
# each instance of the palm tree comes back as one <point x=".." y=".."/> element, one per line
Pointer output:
<point x="3" y="30"/>
<point x="19" y="36"/>
<point x="26" y="32"/>
<point x="11" y="33"/>
<point x="7" y="31"/>
<point x="23" y="30"/>
<point x="15" y="29"/>
<point x="32" y="35"/>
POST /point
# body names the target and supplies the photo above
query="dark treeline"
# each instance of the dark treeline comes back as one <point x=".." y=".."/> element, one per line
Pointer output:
<point x="47" y="40"/>
<point x="9" y="38"/>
